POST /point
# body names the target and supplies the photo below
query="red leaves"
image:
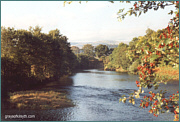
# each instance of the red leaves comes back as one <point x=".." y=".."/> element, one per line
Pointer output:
<point x="150" y="52"/>
<point x="139" y="68"/>
<point x="165" y="36"/>
<point x="149" y="71"/>
<point x="168" y="29"/>
<point x="150" y="111"/>
<point x="175" y="112"/>
<point x="163" y="100"/>
<point x="147" y="104"/>
<point x="151" y="64"/>
<point x="153" y="95"/>
<point x="135" y="6"/>
<point x="171" y="44"/>
<point x="144" y="77"/>
<point x="150" y="98"/>
<point x="158" y="53"/>
<point x="155" y="103"/>
<point x="155" y="115"/>
<point x="177" y="15"/>
<point x="137" y="82"/>
<point x="143" y="72"/>
<point x="145" y="65"/>
<point x="161" y="45"/>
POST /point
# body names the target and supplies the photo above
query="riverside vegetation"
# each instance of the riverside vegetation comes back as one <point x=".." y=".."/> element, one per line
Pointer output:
<point x="29" y="59"/>
<point x="129" y="61"/>
<point x="32" y="58"/>
<point x="27" y="65"/>
<point x="152" y="52"/>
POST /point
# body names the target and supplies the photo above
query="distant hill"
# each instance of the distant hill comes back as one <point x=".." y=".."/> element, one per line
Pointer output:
<point x="109" y="43"/>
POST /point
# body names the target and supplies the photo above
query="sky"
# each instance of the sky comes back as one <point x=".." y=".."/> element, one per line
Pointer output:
<point x="86" y="22"/>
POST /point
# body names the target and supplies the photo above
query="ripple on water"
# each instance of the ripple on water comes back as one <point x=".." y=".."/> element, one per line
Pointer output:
<point x="96" y="94"/>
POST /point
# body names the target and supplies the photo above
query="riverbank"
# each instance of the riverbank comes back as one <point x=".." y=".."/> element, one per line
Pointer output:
<point x="96" y="96"/>
<point x="40" y="97"/>
<point x="39" y="100"/>
<point x="109" y="68"/>
<point x="168" y="72"/>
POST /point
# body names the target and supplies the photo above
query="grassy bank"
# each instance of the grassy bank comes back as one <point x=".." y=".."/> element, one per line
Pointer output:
<point x="168" y="72"/>
<point x="39" y="100"/>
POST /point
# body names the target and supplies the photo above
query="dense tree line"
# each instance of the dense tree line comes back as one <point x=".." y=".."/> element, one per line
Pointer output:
<point x="30" y="57"/>
<point x="89" y="55"/>
<point x="129" y="57"/>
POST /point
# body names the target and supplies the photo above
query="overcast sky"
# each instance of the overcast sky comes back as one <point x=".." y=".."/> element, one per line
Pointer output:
<point x="90" y="22"/>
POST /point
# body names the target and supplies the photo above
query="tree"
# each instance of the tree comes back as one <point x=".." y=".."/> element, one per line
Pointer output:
<point x="88" y="50"/>
<point x="32" y="57"/>
<point x="101" y="50"/>
<point x="75" y="49"/>
<point x="154" y="52"/>
<point x="119" y="58"/>
<point x="83" y="61"/>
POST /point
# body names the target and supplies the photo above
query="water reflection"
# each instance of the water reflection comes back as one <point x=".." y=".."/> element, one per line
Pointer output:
<point x="96" y="94"/>
<point x="104" y="79"/>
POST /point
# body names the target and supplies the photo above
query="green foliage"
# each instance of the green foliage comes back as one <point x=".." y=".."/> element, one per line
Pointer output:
<point x="133" y="68"/>
<point x="101" y="50"/>
<point x="155" y="49"/>
<point x="88" y="50"/>
<point x="86" y="62"/>
<point x="32" y="55"/>
<point x="119" y="58"/>
<point x="140" y="7"/>
<point x="75" y="49"/>
<point x="83" y="61"/>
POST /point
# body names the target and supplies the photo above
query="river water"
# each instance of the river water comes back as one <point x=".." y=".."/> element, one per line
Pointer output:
<point x="96" y="94"/>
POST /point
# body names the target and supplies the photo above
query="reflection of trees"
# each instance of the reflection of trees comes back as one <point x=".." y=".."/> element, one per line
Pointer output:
<point x="66" y="81"/>
<point x="56" y="85"/>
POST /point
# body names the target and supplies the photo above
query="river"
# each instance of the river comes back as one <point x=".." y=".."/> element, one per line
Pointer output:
<point x="96" y="96"/>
